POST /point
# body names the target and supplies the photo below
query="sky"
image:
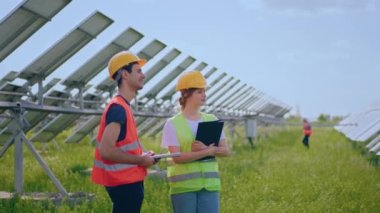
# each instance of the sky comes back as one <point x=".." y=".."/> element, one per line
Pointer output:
<point x="317" y="56"/>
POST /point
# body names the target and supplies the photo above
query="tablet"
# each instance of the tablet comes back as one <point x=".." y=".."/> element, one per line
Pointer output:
<point x="168" y="155"/>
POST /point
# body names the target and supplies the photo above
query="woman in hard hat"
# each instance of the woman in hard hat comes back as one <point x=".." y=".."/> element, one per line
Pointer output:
<point x="194" y="183"/>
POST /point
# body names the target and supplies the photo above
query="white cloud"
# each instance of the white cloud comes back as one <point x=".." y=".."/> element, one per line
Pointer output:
<point x="310" y="7"/>
<point x="252" y="4"/>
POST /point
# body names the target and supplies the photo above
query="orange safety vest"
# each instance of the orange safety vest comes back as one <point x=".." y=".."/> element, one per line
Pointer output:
<point x="109" y="173"/>
<point x="307" y="129"/>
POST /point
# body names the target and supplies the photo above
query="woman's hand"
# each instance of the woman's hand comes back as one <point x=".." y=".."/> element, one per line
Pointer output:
<point x="211" y="149"/>
<point x="198" y="146"/>
<point x="221" y="150"/>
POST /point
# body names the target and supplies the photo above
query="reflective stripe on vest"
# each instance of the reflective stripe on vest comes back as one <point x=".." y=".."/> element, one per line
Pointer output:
<point x="113" y="167"/>
<point x="117" y="166"/>
<point x="194" y="175"/>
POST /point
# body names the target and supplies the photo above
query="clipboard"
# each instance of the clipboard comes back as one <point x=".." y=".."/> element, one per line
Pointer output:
<point x="209" y="132"/>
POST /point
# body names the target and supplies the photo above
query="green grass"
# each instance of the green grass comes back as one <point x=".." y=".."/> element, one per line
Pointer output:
<point x="279" y="175"/>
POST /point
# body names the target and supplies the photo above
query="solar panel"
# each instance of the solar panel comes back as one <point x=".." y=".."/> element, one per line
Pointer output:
<point x="214" y="90"/>
<point x="155" y="128"/>
<point x="375" y="148"/>
<point x="368" y="127"/>
<point x="242" y="94"/>
<point x="361" y="121"/>
<point x="51" y="129"/>
<point x="56" y="98"/>
<point x="108" y="85"/>
<point x="273" y="109"/>
<point x="140" y="120"/>
<point x="40" y="68"/>
<point x="283" y="112"/>
<point x="35" y="117"/>
<point x="230" y="97"/>
<point x="371" y="131"/>
<point x="161" y="64"/>
<point x="224" y="91"/>
<point x="61" y="121"/>
<point x="23" y="22"/>
<point x="170" y="77"/>
<point x="60" y="111"/>
<point x="50" y="85"/>
<point x="9" y="127"/>
<point x="100" y="60"/>
<point x="242" y="103"/>
<point x="147" y="125"/>
<point x="347" y="120"/>
<point x="210" y="72"/>
<point x="373" y="142"/>
<point x="258" y="101"/>
<point x="267" y="108"/>
<point x="54" y="127"/>
<point x="151" y="50"/>
<point x="12" y="92"/>
<point x="12" y="95"/>
<point x="217" y="80"/>
<point x="12" y="75"/>
<point x="92" y="101"/>
<point x="83" y="130"/>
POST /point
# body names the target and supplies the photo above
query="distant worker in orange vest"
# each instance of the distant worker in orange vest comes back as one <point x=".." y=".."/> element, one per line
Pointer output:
<point x="120" y="164"/>
<point x="307" y="132"/>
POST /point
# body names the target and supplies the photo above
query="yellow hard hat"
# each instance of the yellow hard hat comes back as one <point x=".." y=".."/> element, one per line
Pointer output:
<point x="192" y="79"/>
<point x="121" y="59"/>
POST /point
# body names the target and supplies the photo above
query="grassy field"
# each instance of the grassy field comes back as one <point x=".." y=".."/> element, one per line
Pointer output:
<point x="279" y="175"/>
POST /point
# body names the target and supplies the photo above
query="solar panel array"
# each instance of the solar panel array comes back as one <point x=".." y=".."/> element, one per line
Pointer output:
<point x="364" y="128"/>
<point x="37" y="101"/>
<point x="228" y="97"/>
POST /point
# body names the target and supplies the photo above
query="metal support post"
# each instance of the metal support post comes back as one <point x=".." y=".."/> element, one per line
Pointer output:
<point x="18" y="139"/>
<point x="81" y="104"/>
<point x="18" y="153"/>
<point x="43" y="164"/>
<point x="18" y="164"/>
<point x="40" y="92"/>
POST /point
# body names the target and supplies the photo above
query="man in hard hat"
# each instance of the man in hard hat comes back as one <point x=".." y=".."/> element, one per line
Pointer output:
<point x="120" y="164"/>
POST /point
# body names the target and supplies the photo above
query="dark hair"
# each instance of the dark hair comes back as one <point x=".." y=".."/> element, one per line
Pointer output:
<point x="127" y="68"/>
<point x="185" y="94"/>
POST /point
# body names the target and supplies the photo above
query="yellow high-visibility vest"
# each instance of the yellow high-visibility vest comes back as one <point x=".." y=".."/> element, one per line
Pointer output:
<point x="196" y="175"/>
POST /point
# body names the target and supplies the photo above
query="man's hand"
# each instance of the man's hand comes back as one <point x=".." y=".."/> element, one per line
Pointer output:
<point x="147" y="160"/>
